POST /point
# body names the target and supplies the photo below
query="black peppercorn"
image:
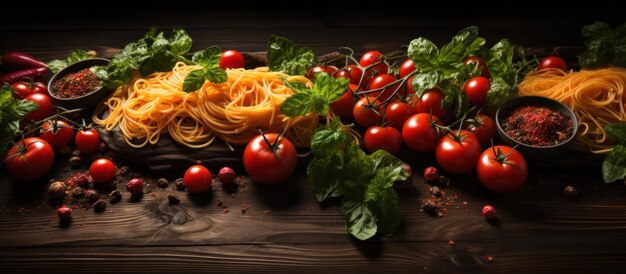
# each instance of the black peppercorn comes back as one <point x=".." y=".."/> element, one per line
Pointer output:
<point x="91" y="195"/>
<point x="99" y="206"/>
<point x="115" y="196"/>
<point x="180" y="184"/>
<point x="570" y="191"/>
<point x="162" y="182"/>
<point x="173" y="200"/>
<point x="78" y="192"/>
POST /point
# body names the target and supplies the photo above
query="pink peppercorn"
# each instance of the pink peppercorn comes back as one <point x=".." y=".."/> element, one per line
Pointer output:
<point x="135" y="187"/>
<point x="65" y="213"/>
<point x="431" y="174"/>
<point x="489" y="212"/>
<point x="226" y="175"/>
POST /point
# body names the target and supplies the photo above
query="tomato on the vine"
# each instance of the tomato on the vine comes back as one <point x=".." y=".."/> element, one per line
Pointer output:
<point x="406" y="67"/>
<point x="342" y="73"/>
<point x="431" y="102"/>
<point x="231" y="59"/>
<point x="553" y="62"/>
<point x="102" y="170"/>
<point x="331" y="69"/>
<point x="355" y="74"/>
<point x="366" y="112"/>
<point x="197" y="179"/>
<point x="373" y="57"/>
<point x="420" y="132"/>
<point x="385" y="138"/>
<point x="314" y="71"/>
<point x="476" y="89"/>
<point x="24" y="89"/>
<point x="87" y="141"/>
<point x="458" y="152"/>
<point x="345" y="105"/>
<point x="45" y="109"/>
<point x="30" y="159"/>
<point x="397" y="113"/>
<point x="381" y="81"/>
<point x="471" y="60"/>
<point x="58" y="135"/>
<point x="484" y="127"/>
<point x="269" y="159"/>
<point x="502" y="169"/>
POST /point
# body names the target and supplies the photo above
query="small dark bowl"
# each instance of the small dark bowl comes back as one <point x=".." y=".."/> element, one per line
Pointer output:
<point x="87" y="101"/>
<point x="530" y="151"/>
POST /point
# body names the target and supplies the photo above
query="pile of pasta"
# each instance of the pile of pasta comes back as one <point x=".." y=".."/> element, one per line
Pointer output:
<point x="233" y="111"/>
<point x="596" y="96"/>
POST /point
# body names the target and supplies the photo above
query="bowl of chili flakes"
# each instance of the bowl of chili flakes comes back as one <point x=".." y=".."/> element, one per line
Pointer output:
<point x="537" y="126"/>
<point x="76" y="86"/>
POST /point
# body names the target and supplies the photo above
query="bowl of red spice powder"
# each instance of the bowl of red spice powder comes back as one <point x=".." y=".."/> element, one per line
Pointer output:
<point x="538" y="126"/>
<point x="76" y="86"/>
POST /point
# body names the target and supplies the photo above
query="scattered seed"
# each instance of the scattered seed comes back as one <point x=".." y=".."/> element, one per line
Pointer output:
<point x="571" y="192"/>
<point x="162" y="183"/>
<point x="99" y="206"/>
<point x="490" y="259"/>
<point x="78" y="192"/>
<point x="267" y="211"/>
<point x="180" y="184"/>
<point x="173" y="200"/>
<point x="91" y="195"/>
<point x="451" y="242"/>
<point x="115" y="196"/>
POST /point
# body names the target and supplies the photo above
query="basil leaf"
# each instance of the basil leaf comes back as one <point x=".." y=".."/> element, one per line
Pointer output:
<point x="194" y="80"/>
<point x="360" y="221"/>
<point x="329" y="87"/>
<point x="282" y="55"/>
<point x="459" y="46"/>
<point x="77" y="55"/>
<point x="499" y="92"/>
<point x="617" y="131"/>
<point x="215" y="75"/>
<point x="327" y="142"/>
<point x="322" y="174"/>
<point x="299" y="104"/>
<point x="295" y="86"/>
<point x="424" y="54"/>
<point x="208" y="57"/>
<point x="605" y="46"/>
<point x="614" y="166"/>
<point x="595" y="31"/>
<point x="422" y="82"/>
<point x="12" y="111"/>
<point x="475" y="47"/>
<point x="181" y="42"/>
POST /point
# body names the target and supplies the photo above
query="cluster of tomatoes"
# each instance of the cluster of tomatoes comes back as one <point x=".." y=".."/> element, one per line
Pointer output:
<point x="386" y="105"/>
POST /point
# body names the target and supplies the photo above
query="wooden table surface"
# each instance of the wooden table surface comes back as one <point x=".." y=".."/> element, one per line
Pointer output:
<point x="284" y="229"/>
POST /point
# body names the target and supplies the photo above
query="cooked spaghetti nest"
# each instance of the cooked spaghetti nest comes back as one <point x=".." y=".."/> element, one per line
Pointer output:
<point x="232" y="111"/>
<point x="596" y="96"/>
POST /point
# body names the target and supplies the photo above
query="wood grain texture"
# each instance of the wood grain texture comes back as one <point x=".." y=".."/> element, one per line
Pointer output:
<point x="284" y="229"/>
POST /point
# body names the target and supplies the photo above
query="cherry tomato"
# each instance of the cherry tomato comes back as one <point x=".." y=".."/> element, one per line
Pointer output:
<point x="24" y="89"/>
<point x="231" y="59"/>
<point x="484" y="128"/>
<point x="269" y="161"/>
<point x="331" y="69"/>
<point x="366" y="113"/>
<point x="345" y="105"/>
<point x="385" y="138"/>
<point x="481" y="63"/>
<point x="102" y="170"/>
<point x="355" y="74"/>
<point x="458" y="155"/>
<point x="379" y="82"/>
<point x="407" y="67"/>
<point x="58" y="136"/>
<point x="476" y="90"/>
<point x="397" y="113"/>
<point x="87" y="141"/>
<point x="342" y="73"/>
<point x="502" y="169"/>
<point x="419" y="134"/>
<point x="409" y="86"/>
<point x="372" y="57"/>
<point x="30" y="159"/>
<point x="431" y="102"/>
<point x="45" y="110"/>
<point x="553" y="62"/>
<point x="197" y="179"/>
<point x="315" y="70"/>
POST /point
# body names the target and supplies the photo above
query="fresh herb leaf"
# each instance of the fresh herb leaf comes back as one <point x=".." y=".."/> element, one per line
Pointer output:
<point x="11" y="113"/>
<point x="210" y="60"/>
<point x="605" y="46"/>
<point x="424" y="81"/>
<point x="617" y="131"/>
<point x="424" y="54"/>
<point x="283" y="55"/>
<point x="459" y="47"/>
<point x="181" y="42"/>
<point x="614" y="166"/>
<point x="194" y="80"/>
<point x="499" y="92"/>
<point x="77" y="55"/>
<point x="215" y="75"/>
<point x="325" y="91"/>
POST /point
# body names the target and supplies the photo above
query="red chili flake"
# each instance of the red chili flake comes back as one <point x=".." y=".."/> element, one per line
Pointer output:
<point x="267" y="211"/>
<point x="77" y="84"/>
<point x="219" y="203"/>
<point x="245" y="209"/>
<point x="538" y="126"/>
<point x="490" y="259"/>
<point x="226" y="210"/>
<point x="451" y="242"/>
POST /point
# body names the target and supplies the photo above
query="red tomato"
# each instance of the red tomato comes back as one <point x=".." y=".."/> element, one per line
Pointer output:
<point x="481" y="63"/>
<point x="45" y="110"/>
<point x="24" y="89"/>
<point x="30" y="159"/>
<point x="552" y="62"/>
<point x="366" y="112"/>
<point x="102" y="170"/>
<point x="502" y="169"/>
<point x="355" y="74"/>
<point x="458" y="155"/>
<point x="58" y="136"/>
<point x="407" y="67"/>
<point x="315" y="70"/>
<point x="419" y="134"/>
<point x="197" y="179"/>
<point x="372" y="57"/>
<point x="331" y="69"/>
<point x="409" y="86"/>
<point x="231" y="59"/>
<point x="484" y="128"/>
<point x="345" y="105"/>
<point x="397" y="113"/>
<point x="476" y="90"/>
<point x="87" y="141"/>
<point x="381" y="81"/>
<point x="385" y="138"/>
<point x="268" y="161"/>
<point x="431" y="101"/>
<point x="342" y="73"/>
